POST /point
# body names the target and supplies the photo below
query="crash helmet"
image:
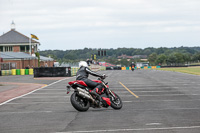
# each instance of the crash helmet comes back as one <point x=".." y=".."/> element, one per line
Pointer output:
<point x="83" y="63"/>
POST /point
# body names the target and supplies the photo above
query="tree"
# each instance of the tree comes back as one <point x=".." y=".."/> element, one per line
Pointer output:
<point x="171" y="60"/>
<point x="37" y="54"/>
<point x="152" y="58"/>
<point x="179" y="57"/>
<point x="161" y="59"/>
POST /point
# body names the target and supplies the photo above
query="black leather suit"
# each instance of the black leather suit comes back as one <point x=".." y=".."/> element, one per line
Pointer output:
<point x="83" y="74"/>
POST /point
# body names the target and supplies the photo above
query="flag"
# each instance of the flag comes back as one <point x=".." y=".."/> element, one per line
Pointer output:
<point x="34" y="36"/>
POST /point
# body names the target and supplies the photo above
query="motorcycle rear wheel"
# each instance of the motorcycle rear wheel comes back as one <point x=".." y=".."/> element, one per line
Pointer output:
<point x="116" y="103"/>
<point x="79" y="103"/>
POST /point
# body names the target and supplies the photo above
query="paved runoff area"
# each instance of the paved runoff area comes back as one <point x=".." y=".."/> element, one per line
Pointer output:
<point x="153" y="102"/>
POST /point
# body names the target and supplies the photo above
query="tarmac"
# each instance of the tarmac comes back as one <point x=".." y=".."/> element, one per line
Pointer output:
<point x="153" y="102"/>
<point x="18" y="85"/>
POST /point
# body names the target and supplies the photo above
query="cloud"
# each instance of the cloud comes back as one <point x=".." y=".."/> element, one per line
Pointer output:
<point x="105" y="21"/>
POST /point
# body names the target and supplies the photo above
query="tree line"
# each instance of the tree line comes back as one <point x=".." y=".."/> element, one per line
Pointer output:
<point x="155" y="56"/>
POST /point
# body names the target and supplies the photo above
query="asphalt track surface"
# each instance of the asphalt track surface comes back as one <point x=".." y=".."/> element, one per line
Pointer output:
<point x="153" y="102"/>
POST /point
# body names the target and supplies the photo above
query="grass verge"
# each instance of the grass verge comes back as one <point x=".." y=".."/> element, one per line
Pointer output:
<point x="189" y="70"/>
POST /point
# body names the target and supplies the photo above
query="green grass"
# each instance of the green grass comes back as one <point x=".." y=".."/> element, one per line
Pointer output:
<point x="189" y="70"/>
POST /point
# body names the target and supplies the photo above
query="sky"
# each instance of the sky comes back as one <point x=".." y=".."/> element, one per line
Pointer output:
<point x="77" y="24"/>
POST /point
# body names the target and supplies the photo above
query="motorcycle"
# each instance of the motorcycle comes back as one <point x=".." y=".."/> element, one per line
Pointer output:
<point x="83" y="98"/>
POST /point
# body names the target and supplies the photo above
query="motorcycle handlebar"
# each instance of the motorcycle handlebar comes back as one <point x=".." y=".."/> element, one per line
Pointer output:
<point x="102" y="78"/>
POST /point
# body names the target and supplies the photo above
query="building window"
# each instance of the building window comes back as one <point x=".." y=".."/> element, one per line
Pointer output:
<point x="1" y="48"/>
<point x="8" y="49"/>
<point x="27" y="48"/>
<point x="24" y="48"/>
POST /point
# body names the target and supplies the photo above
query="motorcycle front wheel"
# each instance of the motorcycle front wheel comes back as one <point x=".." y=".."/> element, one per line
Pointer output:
<point x="116" y="102"/>
<point x="79" y="103"/>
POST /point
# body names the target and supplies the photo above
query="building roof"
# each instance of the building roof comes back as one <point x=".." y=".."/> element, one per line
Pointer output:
<point x="43" y="58"/>
<point x="14" y="37"/>
<point x="16" y="55"/>
<point x="124" y="56"/>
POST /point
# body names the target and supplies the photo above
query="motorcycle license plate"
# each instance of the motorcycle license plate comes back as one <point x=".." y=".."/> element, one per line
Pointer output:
<point x="68" y="89"/>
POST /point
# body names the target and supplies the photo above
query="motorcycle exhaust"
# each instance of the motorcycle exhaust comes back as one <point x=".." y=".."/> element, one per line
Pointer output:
<point x="81" y="90"/>
<point x="85" y="94"/>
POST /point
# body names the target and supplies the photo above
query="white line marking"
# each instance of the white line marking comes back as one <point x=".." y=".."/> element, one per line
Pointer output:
<point x="127" y="101"/>
<point x="39" y="103"/>
<point x="31" y="92"/>
<point x="152" y="124"/>
<point x="137" y="129"/>
<point x="141" y="101"/>
<point x="54" y="89"/>
<point x="46" y="97"/>
<point x="25" y="112"/>
<point x="172" y="95"/>
<point x="49" y="93"/>
<point x="165" y="100"/>
<point x="165" y="109"/>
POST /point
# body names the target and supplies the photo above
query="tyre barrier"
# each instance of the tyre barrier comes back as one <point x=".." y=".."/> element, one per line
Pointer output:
<point x="30" y="71"/>
<point x="74" y="70"/>
<point x="13" y="71"/>
<point x="6" y="72"/>
<point x="114" y="68"/>
<point x="22" y="71"/>
<point x="16" y="72"/>
<point x="102" y="68"/>
<point x="143" y="67"/>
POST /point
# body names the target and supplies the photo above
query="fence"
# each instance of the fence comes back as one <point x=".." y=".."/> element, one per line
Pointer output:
<point x="52" y="72"/>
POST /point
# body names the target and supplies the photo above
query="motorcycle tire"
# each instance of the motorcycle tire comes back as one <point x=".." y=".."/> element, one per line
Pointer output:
<point x="79" y="103"/>
<point x="117" y="103"/>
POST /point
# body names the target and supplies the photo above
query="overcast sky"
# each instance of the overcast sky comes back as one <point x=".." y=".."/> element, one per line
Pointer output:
<point x="76" y="24"/>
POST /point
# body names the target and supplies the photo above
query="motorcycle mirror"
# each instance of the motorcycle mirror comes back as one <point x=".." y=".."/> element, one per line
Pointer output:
<point x="68" y="89"/>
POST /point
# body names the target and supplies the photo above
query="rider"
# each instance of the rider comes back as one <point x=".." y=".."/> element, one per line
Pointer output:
<point x="83" y="74"/>
<point x="132" y="66"/>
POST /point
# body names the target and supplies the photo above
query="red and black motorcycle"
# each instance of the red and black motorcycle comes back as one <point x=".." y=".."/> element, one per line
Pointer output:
<point x="82" y="98"/>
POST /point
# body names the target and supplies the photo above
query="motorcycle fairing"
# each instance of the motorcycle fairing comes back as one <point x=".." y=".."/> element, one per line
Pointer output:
<point x="107" y="100"/>
<point x="98" y="81"/>
<point x="82" y="82"/>
<point x="78" y="82"/>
